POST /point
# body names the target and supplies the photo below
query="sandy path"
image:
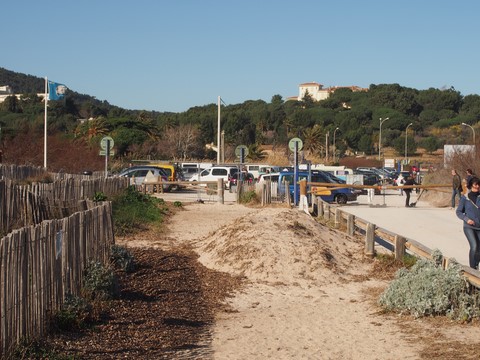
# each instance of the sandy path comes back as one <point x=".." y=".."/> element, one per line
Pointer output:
<point x="308" y="297"/>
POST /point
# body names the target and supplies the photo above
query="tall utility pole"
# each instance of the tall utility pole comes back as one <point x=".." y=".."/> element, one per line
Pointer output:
<point x="218" y="132"/>
<point x="380" y="138"/>
<point x="335" y="145"/>
<point x="406" y="141"/>
<point x="326" y="146"/>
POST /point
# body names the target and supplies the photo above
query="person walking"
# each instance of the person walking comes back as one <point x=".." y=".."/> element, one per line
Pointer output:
<point x="468" y="211"/>
<point x="469" y="177"/>
<point x="400" y="181"/>
<point x="409" y="182"/>
<point x="456" y="187"/>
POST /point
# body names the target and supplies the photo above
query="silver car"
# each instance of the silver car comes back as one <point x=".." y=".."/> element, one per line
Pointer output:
<point x="137" y="174"/>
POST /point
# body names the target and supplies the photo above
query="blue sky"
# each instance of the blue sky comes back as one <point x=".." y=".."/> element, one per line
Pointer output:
<point x="176" y="54"/>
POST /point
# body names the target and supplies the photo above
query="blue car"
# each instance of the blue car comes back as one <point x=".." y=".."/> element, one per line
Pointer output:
<point x="339" y="196"/>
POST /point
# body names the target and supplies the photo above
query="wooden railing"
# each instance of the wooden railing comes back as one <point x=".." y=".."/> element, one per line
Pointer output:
<point x="374" y="235"/>
<point x="210" y="187"/>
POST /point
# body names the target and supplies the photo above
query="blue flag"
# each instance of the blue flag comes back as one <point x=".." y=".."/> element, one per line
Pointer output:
<point x="56" y="91"/>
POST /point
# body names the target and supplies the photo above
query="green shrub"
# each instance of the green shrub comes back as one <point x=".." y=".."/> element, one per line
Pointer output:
<point x="428" y="290"/>
<point x="74" y="315"/>
<point x="122" y="259"/>
<point x="99" y="196"/>
<point x="99" y="282"/>
<point x="177" y="204"/>
<point x="132" y="209"/>
<point x="36" y="350"/>
<point x="248" y="197"/>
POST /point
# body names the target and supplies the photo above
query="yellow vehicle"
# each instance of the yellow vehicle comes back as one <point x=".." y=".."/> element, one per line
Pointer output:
<point x="174" y="172"/>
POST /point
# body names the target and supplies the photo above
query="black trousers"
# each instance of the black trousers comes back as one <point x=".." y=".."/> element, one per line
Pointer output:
<point x="407" y="199"/>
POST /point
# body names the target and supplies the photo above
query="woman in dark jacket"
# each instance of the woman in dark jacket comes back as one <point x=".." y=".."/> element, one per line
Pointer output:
<point x="468" y="211"/>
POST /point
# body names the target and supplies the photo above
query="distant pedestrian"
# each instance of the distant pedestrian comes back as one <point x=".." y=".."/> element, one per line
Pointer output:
<point x="468" y="211"/>
<point x="400" y="181"/>
<point x="456" y="187"/>
<point x="409" y="182"/>
<point x="469" y="177"/>
<point x="418" y="180"/>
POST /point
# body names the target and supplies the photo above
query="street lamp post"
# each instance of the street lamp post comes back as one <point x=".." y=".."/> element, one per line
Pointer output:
<point x="406" y="139"/>
<point x="380" y="137"/>
<point x="473" y="130"/>
<point x="335" y="145"/>
<point x="326" y="146"/>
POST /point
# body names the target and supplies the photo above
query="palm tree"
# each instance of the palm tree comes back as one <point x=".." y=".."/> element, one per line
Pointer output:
<point x="255" y="153"/>
<point x="313" y="140"/>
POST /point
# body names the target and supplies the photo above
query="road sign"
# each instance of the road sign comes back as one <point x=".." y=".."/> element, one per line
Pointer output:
<point x="238" y="150"/>
<point x="291" y="144"/>
<point x="103" y="142"/>
<point x="104" y="152"/>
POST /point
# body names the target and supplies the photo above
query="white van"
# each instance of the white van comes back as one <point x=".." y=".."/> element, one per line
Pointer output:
<point x="341" y="172"/>
<point x="214" y="173"/>
<point x="190" y="169"/>
<point x="258" y="169"/>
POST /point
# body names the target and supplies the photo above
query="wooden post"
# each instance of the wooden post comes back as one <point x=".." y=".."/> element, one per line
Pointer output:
<point x="370" y="240"/>
<point x="287" y="193"/>
<point x="338" y="218"/>
<point x="319" y="208"/>
<point x="326" y="213"/>
<point x="160" y="189"/>
<point x="399" y="247"/>
<point x="240" y="190"/>
<point x="303" y="187"/>
<point x="351" y="224"/>
<point x="263" y="192"/>
<point x="220" y="191"/>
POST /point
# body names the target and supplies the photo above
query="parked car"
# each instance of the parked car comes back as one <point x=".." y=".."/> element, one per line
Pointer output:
<point x="216" y="172"/>
<point x="190" y="169"/>
<point x="339" y="195"/>
<point x="137" y="174"/>
<point x="248" y="178"/>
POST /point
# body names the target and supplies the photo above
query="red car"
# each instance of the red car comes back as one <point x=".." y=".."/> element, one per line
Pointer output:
<point x="246" y="177"/>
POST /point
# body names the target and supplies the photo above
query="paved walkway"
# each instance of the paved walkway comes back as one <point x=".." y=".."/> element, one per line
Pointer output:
<point x="436" y="228"/>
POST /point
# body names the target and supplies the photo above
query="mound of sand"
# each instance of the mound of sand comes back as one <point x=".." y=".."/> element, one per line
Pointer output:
<point x="279" y="245"/>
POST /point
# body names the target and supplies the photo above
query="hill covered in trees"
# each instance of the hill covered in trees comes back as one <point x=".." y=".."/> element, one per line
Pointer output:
<point x="78" y="122"/>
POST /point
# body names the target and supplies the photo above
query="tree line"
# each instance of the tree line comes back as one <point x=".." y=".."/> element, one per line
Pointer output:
<point x="436" y="116"/>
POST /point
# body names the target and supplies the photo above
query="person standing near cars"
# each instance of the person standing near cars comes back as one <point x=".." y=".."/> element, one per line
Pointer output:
<point x="409" y="182"/>
<point x="468" y="211"/>
<point x="400" y="181"/>
<point x="456" y="187"/>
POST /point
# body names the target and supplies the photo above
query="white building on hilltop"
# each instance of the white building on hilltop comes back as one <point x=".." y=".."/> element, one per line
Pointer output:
<point x="6" y="91"/>
<point x="318" y="93"/>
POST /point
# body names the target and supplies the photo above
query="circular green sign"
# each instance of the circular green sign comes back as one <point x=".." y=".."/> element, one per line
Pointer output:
<point x="103" y="142"/>
<point x="292" y="142"/>
<point x="238" y="150"/>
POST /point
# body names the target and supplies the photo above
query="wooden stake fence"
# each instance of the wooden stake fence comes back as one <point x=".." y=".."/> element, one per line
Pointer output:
<point x="40" y="265"/>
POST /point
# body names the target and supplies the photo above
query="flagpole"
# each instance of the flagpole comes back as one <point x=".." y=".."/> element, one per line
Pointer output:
<point x="45" y="127"/>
